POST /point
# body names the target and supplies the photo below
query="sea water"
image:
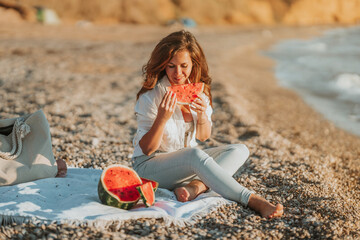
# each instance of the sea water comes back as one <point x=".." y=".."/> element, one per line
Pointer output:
<point x="325" y="71"/>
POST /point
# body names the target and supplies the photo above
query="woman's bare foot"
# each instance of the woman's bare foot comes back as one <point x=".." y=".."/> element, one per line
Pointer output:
<point x="264" y="207"/>
<point x="190" y="191"/>
<point x="62" y="168"/>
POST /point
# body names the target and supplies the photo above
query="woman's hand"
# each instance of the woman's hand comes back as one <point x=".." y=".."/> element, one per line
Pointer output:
<point x="150" y="142"/>
<point x="167" y="106"/>
<point x="203" y="126"/>
<point x="199" y="106"/>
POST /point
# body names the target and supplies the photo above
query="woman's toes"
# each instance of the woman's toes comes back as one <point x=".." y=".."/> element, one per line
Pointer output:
<point x="279" y="211"/>
<point x="182" y="194"/>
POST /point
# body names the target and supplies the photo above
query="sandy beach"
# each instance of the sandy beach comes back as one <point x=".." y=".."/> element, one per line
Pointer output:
<point x="86" y="77"/>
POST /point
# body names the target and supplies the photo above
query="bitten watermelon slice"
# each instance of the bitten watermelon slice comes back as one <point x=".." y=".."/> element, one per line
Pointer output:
<point x="118" y="187"/>
<point x="187" y="93"/>
<point x="147" y="193"/>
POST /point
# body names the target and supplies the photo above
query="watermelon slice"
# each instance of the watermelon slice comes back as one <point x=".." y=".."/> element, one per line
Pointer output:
<point x="154" y="184"/>
<point x="187" y="93"/>
<point x="118" y="187"/>
<point x="147" y="193"/>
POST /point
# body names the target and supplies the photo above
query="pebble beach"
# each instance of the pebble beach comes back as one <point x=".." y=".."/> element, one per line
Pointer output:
<point x="86" y="77"/>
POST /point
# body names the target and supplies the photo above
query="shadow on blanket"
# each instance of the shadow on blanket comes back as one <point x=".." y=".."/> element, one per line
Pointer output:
<point x="74" y="200"/>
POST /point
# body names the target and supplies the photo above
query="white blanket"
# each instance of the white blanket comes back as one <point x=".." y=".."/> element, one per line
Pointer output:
<point x="74" y="200"/>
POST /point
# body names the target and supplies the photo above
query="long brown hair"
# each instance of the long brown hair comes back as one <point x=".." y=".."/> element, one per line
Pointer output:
<point x="165" y="50"/>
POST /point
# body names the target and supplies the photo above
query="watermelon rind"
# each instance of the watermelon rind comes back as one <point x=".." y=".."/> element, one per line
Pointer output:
<point x="109" y="198"/>
<point x="186" y="103"/>
<point x="143" y="194"/>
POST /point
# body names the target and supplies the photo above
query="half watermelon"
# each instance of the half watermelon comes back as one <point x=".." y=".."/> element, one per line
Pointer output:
<point x="118" y="187"/>
<point x="187" y="93"/>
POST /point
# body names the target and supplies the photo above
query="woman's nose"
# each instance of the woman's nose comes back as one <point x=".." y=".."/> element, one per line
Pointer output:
<point x="177" y="70"/>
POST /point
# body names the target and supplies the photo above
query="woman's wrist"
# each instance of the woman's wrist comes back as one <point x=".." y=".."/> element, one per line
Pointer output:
<point x="202" y="120"/>
<point x="160" y="121"/>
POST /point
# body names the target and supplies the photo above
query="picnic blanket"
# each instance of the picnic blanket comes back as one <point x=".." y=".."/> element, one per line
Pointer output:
<point x="74" y="200"/>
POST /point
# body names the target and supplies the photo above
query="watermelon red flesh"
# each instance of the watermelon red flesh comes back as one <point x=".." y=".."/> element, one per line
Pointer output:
<point x="155" y="185"/>
<point x="117" y="187"/>
<point x="119" y="177"/>
<point x="126" y="194"/>
<point x="187" y="93"/>
<point x="147" y="193"/>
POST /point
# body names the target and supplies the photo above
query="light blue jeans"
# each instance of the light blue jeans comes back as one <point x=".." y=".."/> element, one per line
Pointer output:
<point x="214" y="167"/>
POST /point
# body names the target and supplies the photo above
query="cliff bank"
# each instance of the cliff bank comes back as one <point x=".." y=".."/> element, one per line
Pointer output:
<point x="209" y="12"/>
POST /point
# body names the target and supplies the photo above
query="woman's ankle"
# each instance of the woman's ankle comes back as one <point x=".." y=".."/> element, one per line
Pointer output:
<point x="199" y="185"/>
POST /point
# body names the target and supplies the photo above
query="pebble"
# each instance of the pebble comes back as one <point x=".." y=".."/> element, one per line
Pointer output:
<point x="174" y="236"/>
<point x="95" y="142"/>
<point x="51" y="236"/>
<point x="37" y="232"/>
<point x="32" y="236"/>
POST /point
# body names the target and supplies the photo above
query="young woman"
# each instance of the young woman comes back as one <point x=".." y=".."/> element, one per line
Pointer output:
<point x="165" y="143"/>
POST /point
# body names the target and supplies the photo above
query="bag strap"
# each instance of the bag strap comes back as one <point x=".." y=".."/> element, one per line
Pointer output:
<point x="20" y="130"/>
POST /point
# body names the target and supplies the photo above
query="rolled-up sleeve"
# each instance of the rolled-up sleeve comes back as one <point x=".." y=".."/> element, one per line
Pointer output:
<point x="145" y="112"/>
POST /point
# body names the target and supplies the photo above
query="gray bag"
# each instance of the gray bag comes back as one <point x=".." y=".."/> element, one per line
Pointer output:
<point x="25" y="149"/>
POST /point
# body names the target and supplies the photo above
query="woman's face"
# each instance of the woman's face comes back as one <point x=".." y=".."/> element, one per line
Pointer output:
<point x="179" y="68"/>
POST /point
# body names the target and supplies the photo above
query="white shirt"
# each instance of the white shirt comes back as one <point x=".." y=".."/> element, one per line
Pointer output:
<point x="146" y="109"/>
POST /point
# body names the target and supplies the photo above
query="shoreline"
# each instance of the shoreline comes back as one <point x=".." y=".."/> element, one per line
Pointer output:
<point x="86" y="79"/>
<point x="261" y="102"/>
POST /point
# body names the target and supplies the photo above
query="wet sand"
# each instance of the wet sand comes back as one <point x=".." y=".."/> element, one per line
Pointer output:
<point x="86" y="78"/>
